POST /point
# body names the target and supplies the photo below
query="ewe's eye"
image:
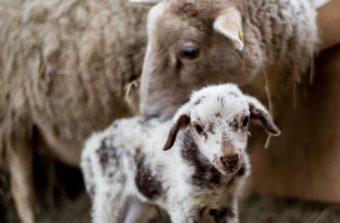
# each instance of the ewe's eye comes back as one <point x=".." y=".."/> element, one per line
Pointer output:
<point x="245" y="121"/>
<point x="189" y="52"/>
<point x="198" y="128"/>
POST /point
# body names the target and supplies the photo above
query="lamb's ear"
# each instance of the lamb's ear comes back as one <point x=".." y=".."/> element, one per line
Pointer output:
<point x="259" y="113"/>
<point x="229" y="24"/>
<point x="181" y="121"/>
<point x="145" y="1"/>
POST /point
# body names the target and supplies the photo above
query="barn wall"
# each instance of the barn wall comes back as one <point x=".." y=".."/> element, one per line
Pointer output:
<point x="304" y="161"/>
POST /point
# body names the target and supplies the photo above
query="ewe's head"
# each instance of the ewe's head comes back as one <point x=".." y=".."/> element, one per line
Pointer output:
<point x="188" y="39"/>
<point x="218" y="118"/>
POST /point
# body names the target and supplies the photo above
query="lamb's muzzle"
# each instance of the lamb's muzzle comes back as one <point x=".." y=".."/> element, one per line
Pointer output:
<point x="200" y="172"/>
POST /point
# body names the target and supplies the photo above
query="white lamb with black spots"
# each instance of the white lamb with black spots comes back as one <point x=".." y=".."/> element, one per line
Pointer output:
<point x="197" y="178"/>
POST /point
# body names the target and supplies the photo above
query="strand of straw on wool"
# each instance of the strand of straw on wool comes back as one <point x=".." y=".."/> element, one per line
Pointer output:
<point x="270" y="103"/>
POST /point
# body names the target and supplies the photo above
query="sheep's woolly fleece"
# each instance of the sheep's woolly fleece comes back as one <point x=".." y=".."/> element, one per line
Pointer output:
<point x="294" y="44"/>
<point x="60" y="58"/>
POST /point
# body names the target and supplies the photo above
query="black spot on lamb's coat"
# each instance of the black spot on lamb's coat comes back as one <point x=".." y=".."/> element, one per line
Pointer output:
<point x="147" y="184"/>
<point x="233" y="94"/>
<point x="110" y="174"/>
<point x="198" y="101"/>
<point x="205" y="174"/>
<point x="234" y="124"/>
<point x="106" y="153"/>
<point x="211" y="128"/>
<point x="220" y="99"/>
<point x="102" y="153"/>
<point x="92" y="191"/>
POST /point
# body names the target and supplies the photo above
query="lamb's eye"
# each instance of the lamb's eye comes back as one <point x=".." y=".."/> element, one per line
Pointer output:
<point x="245" y="121"/>
<point x="189" y="52"/>
<point x="198" y="128"/>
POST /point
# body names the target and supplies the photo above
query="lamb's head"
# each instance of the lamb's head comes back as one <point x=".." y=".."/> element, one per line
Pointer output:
<point x="186" y="41"/>
<point x="217" y="118"/>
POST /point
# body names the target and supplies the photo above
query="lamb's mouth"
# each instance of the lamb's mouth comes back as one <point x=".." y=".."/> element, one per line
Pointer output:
<point x="225" y="170"/>
<point x="229" y="171"/>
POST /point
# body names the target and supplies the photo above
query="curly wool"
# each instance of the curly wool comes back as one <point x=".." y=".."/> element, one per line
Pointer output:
<point x="63" y="68"/>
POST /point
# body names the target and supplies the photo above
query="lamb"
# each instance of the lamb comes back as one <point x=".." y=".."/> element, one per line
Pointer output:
<point x="63" y="68"/>
<point x="200" y="174"/>
<point x="232" y="41"/>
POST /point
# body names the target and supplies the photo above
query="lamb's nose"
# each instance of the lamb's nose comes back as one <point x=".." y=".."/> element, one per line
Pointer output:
<point x="230" y="161"/>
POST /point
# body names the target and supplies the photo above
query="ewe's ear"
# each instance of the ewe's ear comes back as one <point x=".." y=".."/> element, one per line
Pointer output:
<point x="145" y="1"/>
<point x="259" y="113"/>
<point x="229" y="24"/>
<point x="181" y="121"/>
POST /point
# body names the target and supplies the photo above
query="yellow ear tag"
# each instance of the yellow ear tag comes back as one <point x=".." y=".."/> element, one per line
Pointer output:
<point x="240" y="34"/>
<point x="241" y="37"/>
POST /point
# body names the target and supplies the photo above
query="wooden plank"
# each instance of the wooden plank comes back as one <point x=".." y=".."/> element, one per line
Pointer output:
<point x="304" y="161"/>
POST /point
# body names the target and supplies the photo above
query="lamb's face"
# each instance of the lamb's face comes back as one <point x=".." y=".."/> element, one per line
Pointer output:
<point x="219" y="125"/>
<point x="217" y="117"/>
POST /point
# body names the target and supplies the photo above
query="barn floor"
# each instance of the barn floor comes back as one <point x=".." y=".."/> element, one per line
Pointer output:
<point x="72" y="206"/>
<point x="258" y="209"/>
<point x="255" y="209"/>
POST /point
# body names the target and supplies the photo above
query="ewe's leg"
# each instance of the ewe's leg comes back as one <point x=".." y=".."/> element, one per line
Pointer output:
<point x="19" y="159"/>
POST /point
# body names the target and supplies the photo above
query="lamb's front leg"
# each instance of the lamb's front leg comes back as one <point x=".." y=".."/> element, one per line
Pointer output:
<point x="233" y="216"/>
<point x="139" y="212"/>
<point x="230" y="213"/>
<point x="184" y="214"/>
<point x="182" y="218"/>
<point x="108" y="204"/>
